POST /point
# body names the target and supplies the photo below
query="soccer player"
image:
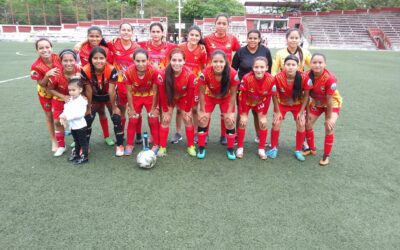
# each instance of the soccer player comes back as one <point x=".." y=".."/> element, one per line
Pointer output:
<point x="177" y="89"/>
<point x="100" y="79"/>
<point x="41" y="70"/>
<point x="293" y="92"/>
<point x="218" y="85"/>
<point x="58" y="87"/>
<point x="244" y="58"/>
<point x="325" y="98"/>
<point x="158" y="52"/>
<point x="94" y="39"/>
<point x="122" y="49"/>
<point x="293" y="39"/>
<point x="157" y="49"/>
<point x="221" y="40"/>
<point x="256" y="90"/>
<point x="142" y="88"/>
<point x="195" y="59"/>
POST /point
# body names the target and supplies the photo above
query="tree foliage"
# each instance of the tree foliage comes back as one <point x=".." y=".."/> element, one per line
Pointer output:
<point x="195" y="9"/>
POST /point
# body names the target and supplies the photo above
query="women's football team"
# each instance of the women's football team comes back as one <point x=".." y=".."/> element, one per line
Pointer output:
<point x="193" y="77"/>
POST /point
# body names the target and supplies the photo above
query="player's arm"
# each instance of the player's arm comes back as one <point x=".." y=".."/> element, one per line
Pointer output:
<point x="112" y="94"/>
<point x="45" y="80"/>
<point x="154" y="106"/>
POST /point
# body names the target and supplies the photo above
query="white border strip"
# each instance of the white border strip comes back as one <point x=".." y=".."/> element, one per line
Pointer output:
<point x="12" y="79"/>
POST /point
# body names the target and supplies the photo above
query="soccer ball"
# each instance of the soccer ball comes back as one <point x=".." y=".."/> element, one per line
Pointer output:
<point x="146" y="159"/>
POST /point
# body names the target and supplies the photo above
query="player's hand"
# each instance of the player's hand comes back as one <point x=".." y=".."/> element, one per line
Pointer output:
<point x="230" y="119"/>
<point x="329" y="124"/>
<point x="88" y="110"/>
<point x="202" y="116"/>
<point x="166" y="119"/>
<point x="154" y="113"/>
<point x="243" y="120"/>
<point x="276" y="117"/>
<point x="52" y="72"/>
<point x="116" y="111"/>
<point x="66" y="98"/>
<point x="63" y="122"/>
<point x="301" y="118"/>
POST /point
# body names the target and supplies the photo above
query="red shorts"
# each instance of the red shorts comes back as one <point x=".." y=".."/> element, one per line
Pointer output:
<point x="196" y="95"/>
<point x="121" y="92"/>
<point x="295" y="109"/>
<point x="260" y="108"/>
<point x="181" y="104"/>
<point x="46" y="103"/>
<point x="317" y="111"/>
<point x="58" y="108"/>
<point x="210" y="103"/>
<point x="140" y="101"/>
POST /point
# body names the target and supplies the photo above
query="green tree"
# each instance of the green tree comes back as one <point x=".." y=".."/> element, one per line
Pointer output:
<point x="195" y="9"/>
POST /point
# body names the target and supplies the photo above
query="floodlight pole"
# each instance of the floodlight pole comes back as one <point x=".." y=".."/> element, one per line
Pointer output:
<point x="179" y="21"/>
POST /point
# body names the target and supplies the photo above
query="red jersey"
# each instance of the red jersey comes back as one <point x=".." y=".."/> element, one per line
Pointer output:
<point x="324" y="85"/>
<point x="85" y="51"/>
<point x="122" y="57"/>
<point x="254" y="91"/>
<point x="213" y="87"/>
<point x="60" y="83"/>
<point x="100" y="84"/>
<point x="183" y="83"/>
<point x="285" y="90"/>
<point x="158" y="55"/>
<point x="228" y="44"/>
<point x="142" y="86"/>
<point x="195" y="59"/>
<point x="39" y="70"/>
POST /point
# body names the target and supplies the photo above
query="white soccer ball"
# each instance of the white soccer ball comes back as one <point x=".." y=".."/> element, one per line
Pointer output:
<point x="146" y="159"/>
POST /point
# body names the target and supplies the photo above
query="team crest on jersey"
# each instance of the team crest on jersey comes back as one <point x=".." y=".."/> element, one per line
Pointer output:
<point x="333" y="86"/>
<point x="136" y="84"/>
<point x="309" y="83"/>
<point x="228" y="45"/>
<point x="184" y="87"/>
<point x="323" y="88"/>
<point x="265" y="92"/>
<point x="201" y="76"/>
<point x="195" y="58"/>
<point x="117" y="53"/>
<point x="212" y="45"/>
<point x="282" y="90"/>
<point x="160" y="78"/>
<point x="34" y="73"/>
<point x="251" y="90"/>
<point x="274" y="88"/>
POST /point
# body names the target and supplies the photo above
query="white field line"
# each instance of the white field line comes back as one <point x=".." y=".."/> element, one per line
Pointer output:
<point x="13" y="79"/>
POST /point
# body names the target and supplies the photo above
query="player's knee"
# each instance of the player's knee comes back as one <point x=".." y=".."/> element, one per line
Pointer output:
<point x="116" y="119"/>
<point x="263" y="124"/>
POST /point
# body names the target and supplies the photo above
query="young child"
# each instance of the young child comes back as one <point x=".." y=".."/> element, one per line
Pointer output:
<point x="74" y="113"/>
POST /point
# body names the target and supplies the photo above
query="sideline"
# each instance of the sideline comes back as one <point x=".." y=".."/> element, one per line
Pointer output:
<point x="12" y="79"/>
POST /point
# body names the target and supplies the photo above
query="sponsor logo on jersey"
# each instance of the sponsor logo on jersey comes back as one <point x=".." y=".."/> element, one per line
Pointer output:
<point x="309" y="83"/>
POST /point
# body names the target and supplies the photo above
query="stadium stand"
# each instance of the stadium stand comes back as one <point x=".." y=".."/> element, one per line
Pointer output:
<point x="353" y="29"/>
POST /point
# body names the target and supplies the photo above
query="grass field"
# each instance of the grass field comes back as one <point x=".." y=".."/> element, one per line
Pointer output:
<point x="186" y="203"/>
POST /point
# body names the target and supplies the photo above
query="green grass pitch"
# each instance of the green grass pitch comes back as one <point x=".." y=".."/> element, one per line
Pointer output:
<point x="186" y="203"/>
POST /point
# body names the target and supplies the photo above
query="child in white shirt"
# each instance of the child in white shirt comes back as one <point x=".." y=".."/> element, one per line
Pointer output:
<point x="74" y="113"/>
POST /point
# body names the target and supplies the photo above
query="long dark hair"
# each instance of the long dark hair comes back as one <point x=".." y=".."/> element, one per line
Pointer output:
<point x="197" y="28"/>
<point x="169" y="77"/>
<point x="311" y="73"/>
<point x="297" y="79"/>
<point x="67" y="51"/>
<point x="222" y="15"/>
<point x="140" y="51"/>
<point x="288" y="32"/>
<point x="96" y="28"/>
<point x="93" y="79"/>
<point x="157" y="24"/>
<point x="226" y="73"/>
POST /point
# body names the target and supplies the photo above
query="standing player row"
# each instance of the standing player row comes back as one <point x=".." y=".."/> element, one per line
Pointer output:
<point x="125" y="44"/>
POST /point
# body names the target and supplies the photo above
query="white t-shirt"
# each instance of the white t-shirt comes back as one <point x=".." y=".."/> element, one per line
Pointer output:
<point x="74" y="112"/>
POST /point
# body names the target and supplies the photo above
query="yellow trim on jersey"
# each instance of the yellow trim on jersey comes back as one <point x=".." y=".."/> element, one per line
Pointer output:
<point x="337" y="101"/>
<point x="145" y="93"/>
<point x="43" y="93"/>
<point x="280" y="56"/>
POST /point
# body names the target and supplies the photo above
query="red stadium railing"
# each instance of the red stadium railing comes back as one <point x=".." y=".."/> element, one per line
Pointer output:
<point x="379" y="38"/>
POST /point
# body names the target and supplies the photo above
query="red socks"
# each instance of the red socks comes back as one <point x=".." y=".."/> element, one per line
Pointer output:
<point x="131" y="131"/>
<point x="262" y="135"/>
<point x="104" y="127"/>
<point x="274" y="138"/>
<point x="223" y="129"/>
<point x="60" y="138"/>
<point x="163" y="136"/>
<point x="300" y="140"/>
<point x="154" y="125"/>
<point x="189" y="136"/>
<point x="328" y="144"/>
<point x="310" y="139"/>
<point x="230" y="138"/>
<point x="241" y="132"/>
<point x="139" y="125"/>
<point x="201" y="136"/>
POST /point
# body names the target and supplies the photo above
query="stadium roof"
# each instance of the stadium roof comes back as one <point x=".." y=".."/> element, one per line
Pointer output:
<point x="274" y="3"/>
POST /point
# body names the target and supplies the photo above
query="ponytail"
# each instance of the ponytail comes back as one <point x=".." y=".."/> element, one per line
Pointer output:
<point x="169" y="84"/>
<point x="226" y="73"/>
<point x="297" y="86"/>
